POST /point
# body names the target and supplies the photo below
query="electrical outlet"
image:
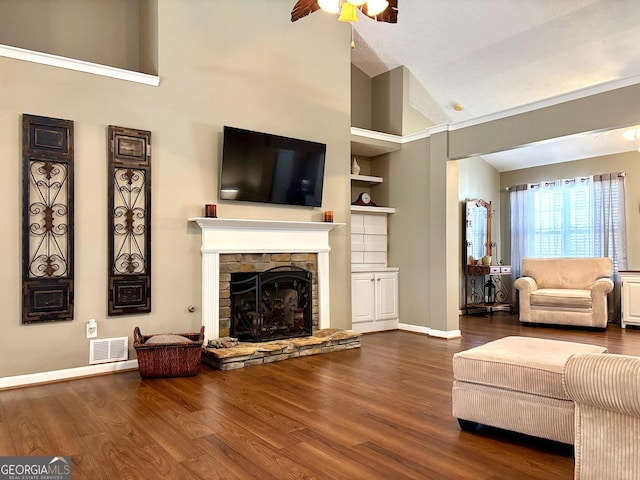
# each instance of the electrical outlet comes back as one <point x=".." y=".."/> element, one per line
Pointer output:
<point x="92" y="329"/>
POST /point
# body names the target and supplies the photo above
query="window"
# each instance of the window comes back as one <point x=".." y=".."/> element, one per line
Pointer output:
<point x="581" y="217"/>
<point x="562" y="219"/>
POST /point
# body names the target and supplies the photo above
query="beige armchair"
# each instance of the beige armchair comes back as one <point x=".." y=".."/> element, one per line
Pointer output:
<point x="565" y="291"/>
<point x="606" y="392"/>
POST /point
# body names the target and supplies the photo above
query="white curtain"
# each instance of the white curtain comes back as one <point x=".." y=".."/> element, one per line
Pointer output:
<point x="610" y="229"/>
<point x="578" y="217"/>
<point x="520" y="227"/>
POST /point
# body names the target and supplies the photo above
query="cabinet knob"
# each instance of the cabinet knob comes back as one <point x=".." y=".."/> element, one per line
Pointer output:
<point x="372" y="279"/>
<point x="378" y="279"/>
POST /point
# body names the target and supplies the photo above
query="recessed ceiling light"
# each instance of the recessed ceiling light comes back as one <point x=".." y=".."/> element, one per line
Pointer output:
<point x="458" y="107"/>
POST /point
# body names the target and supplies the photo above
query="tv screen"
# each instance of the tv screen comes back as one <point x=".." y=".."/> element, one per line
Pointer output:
<point x="260" y="167"/>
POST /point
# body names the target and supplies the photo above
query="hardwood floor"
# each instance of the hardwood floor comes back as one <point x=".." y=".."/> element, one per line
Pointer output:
<point x="380" y="412"/>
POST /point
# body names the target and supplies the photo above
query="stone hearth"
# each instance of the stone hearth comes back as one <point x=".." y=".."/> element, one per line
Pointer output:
<point x="248" y="354"/>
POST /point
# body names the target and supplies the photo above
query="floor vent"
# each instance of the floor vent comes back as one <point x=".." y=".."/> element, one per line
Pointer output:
<point x="108" y="350"/>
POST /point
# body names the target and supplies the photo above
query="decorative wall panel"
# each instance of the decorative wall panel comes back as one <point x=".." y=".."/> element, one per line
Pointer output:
<point x="129" y="221"/>
<point x="47" y="219"/>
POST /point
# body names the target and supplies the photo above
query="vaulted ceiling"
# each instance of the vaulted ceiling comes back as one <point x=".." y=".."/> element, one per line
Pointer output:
<point x="494" y="55"/>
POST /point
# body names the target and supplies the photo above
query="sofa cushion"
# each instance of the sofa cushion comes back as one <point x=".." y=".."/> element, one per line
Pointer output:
<point x="577" y="273"/>
<point x="523" y="364"/>
<point x="561" y="297"/>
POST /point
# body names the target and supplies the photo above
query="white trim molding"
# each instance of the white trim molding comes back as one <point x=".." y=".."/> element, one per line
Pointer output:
<point x="528" y="107"/>
<point x="549" y="102"/>
<point x="66" y="374"/>
<point x="78" y="65"/>
<point x="229" y="235"/>
<point x="375" y="135"/>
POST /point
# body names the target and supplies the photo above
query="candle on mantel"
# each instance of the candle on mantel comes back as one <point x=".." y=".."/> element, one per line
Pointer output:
<point x="210" y="210"/>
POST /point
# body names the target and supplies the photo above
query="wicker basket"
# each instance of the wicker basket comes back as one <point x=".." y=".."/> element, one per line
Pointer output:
<point x="168" y="359"/>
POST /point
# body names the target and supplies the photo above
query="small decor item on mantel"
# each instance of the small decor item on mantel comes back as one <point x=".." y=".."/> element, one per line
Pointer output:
<point x="355" y="168"/>
<point x="364" y="199"/>
<point x="210" y="210"/>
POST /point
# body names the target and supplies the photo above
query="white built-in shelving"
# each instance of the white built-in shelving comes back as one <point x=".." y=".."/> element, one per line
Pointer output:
<point x="369" y="143"/>
<point x="365" y="209"/>
<point x="366" y="179"/>
<point x="374" y="285"/>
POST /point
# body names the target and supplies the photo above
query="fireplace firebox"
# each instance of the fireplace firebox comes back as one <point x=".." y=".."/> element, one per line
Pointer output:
<point x="271" y="305"/>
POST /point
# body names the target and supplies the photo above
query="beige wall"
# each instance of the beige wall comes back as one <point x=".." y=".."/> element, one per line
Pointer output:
<point x="360" y="98"/>
<point x="412" y="120"/>
<point x="612" y="109"/>
<point x="444" y="233"/>
<point x="478" y="179"/>
<point x="148" y="36"/>
<point x="624" y="162"/>
<point x="387" y="101"/>
<point x="221" y="63"/>
<point x="406" y="175"/>
<point x="99" y="31"/>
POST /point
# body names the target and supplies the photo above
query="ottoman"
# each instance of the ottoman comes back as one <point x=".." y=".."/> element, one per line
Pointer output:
<point x="515" y="383"/>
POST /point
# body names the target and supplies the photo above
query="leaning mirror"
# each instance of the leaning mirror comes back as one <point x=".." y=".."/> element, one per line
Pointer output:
<point x="478" y="230"/>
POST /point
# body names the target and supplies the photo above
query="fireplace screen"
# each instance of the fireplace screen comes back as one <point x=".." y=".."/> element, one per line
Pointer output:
<point x="271" y="305"/>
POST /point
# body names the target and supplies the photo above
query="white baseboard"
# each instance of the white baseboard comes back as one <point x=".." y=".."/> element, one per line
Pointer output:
<point x="414" y="328"/>
<point x="67" y="374"/>
<point x="448" y="334"/>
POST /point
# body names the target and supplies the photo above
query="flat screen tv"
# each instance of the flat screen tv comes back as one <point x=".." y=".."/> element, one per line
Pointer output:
<point x="260" y="167"/>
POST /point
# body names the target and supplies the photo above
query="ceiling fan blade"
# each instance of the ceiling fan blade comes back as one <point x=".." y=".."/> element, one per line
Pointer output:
<point x="302" y="8"/>
<point x="389" y="15"/>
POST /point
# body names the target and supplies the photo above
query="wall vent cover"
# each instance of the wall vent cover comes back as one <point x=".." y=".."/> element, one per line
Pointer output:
<point x="108" y="350"/>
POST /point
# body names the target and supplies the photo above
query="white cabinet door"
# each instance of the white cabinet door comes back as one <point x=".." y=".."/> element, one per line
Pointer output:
<point x="362" y="297"/>
<point x="374" y="302"/>
<point x="630" y="299"/>
<point x="386" y="295"/>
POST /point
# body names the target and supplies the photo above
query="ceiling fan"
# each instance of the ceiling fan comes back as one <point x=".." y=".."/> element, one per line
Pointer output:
<point x="379" y="10"/>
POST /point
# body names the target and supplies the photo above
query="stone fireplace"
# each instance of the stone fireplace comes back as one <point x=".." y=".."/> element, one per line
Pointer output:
<point x="235" y="245"/>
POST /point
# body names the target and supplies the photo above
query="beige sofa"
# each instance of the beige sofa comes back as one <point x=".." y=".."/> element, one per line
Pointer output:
<point x="606" y="392"/>
<point x="565" y="291"/>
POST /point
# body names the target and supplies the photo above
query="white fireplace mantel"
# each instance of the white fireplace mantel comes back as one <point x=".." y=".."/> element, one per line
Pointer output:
<point x="229" y="235"/>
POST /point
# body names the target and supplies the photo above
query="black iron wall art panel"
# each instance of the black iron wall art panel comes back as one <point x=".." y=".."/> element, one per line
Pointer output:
<point x="129" y="221"/>
<point x="47" y="219"/>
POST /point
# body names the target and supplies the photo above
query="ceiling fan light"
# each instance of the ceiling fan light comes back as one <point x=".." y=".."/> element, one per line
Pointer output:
<point x="330" y="6"/>
<point x="374" y="7"/>
<point x="357" y="3"/>
<point x="348" y="13"/>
